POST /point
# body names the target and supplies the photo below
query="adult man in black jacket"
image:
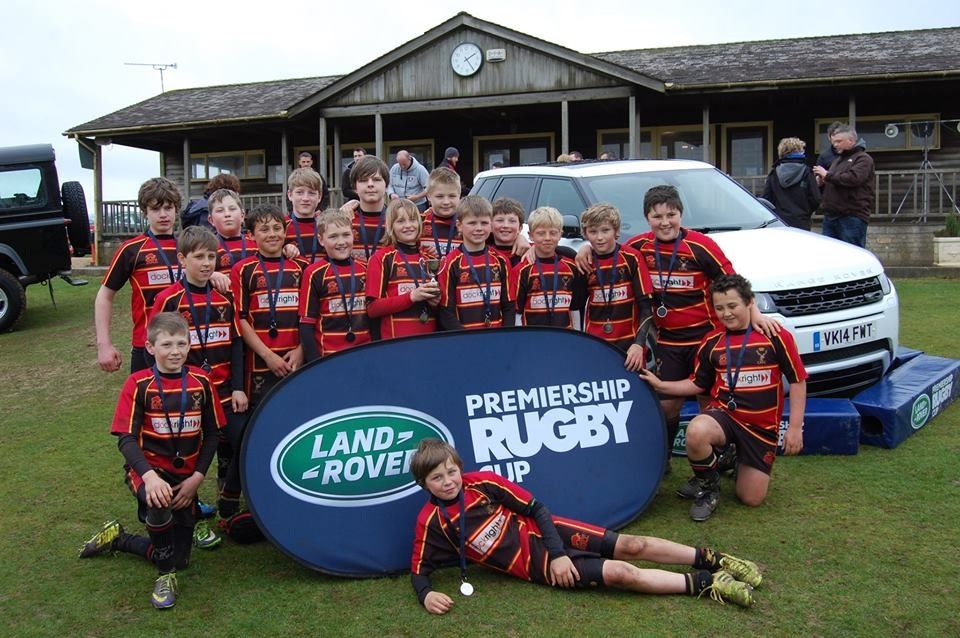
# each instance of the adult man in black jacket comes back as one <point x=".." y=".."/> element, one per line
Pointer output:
<point x="847" y="189"/>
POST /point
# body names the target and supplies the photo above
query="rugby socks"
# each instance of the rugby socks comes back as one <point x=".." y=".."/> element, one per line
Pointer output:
<point x="133" y="544"/>
<point x="673" y="427"/>
<point x="163" y="544"/>
<point x="706" y="469"/>
<point x="182" y="546"/>
<point x="707" y="558"/>
<point x="698" y="581"/>
<point x="228" y="504"/>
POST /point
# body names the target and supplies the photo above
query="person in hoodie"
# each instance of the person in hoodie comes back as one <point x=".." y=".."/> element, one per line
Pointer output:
<point x="791" y="186"/>
<point x="408" y="180"/>
<point x="847" y="189"/>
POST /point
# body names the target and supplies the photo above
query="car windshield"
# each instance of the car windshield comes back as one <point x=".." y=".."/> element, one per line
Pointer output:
<point x="712" y="202"/>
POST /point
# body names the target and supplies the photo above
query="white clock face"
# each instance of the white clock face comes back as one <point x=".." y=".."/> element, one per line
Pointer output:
<point x="466" y="59"/>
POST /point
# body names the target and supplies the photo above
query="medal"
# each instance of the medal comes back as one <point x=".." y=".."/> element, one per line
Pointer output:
<point x="486" y="321"/>
<point x="178" y="462"/>
<point x="734" y="375"/>
<point x="351" y="337"/>
<point x="273" y="332"/>
<point x="206" y="366"/>
<point x="424" y="316"/>
<point x="466" y="588"/>
<point x="731" y="405"/>
<point x="607" y="328"/>
<point x="662" y="311"/>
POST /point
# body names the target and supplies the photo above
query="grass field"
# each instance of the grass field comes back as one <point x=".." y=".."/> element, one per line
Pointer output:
<point x="851" y="546"/>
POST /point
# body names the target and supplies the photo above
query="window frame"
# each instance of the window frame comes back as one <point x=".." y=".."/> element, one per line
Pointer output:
<point x="245" y="153"/>
<point x="724" y="156"/>
<point x="898" y="119"/>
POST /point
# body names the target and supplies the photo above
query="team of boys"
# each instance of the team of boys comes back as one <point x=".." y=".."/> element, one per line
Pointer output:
<point x="219" y="317"/>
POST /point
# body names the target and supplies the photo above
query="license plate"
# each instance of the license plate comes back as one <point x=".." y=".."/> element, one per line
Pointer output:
<point x="842" y="337"/>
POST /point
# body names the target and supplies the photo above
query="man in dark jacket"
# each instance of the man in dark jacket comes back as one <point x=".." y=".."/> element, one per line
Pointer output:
<point x="847" y="189"/>
<point x="345" y="186"/>
<point x="791" y="187"/>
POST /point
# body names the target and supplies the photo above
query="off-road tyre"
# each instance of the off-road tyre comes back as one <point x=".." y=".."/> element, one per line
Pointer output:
<point x="75" y="209"/>
<point x="13" y="301"/>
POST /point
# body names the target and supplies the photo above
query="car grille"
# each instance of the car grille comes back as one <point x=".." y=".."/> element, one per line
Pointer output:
<point x="810" y="301"/>
<point x="844" y="381"/>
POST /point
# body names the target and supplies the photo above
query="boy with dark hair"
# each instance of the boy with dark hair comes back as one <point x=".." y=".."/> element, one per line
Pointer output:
<point x="215" y="344"/>
<point x="618" y="289"/>
<point x="148" y="262"/>
<point x="474" y="281"/>
<point x="266" y="290"/>
<point x="369" y="176"/>
<point x="507" y="222"/>
<point x="743" y="371"/>
<point x="440" y="235"/>
<point x="333" y="302"/>
<point x="550" y="290"/>
<point x="303" y="192"/>
<point x="483" y="518"/>
<point x="167" y="421"/>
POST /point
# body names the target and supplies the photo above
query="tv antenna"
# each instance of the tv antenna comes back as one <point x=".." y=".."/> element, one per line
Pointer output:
<point x="156" y="67"/>
<point x="925" y="130"/>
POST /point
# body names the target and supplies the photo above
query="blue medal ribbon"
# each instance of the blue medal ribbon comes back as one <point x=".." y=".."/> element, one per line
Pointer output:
<point x="485" y="295"/>
<point x="461" y="542"/>
<point x="226" y="249"/>
<point x="202" y="338"/>
<point x="296" y="229"/>
<point x="543" y="284"/>
<point x="732" y="379"/>
<point x="608" y="297"/>
<point x="158" y="380"/>
<point x="369" y="248"/>
<point x="451" y="231"/>
<point x="272" y="297"/>
<point x="673" y="260"/>
<point x="347" y="309"/>
<point x="163" y="257"/>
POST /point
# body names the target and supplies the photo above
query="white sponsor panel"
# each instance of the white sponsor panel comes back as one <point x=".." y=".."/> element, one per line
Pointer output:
<point x="487" y="537"/>
<point x="159" y="276"/>
<point x="563" y="300"/>
<point x="216" y="334"/>
<point x="684" y="282"/>
<point x="620" y="292"/>
<point x="191" y="423"/>
<point x="753" y="378"/>
<point x="473" y="295"/>
<point x="284" y="300"/>
<point x="359" y="303"/>
<point x="404" y="288"/>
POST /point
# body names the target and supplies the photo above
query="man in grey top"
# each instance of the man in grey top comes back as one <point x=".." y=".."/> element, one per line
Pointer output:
<point x="408" y="179"/>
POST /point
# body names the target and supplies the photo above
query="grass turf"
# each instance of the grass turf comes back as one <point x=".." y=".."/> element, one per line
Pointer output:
<point x="851" y="546"/>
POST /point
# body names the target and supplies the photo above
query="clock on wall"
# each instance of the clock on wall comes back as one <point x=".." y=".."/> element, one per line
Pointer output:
<point x="466" y="59"/>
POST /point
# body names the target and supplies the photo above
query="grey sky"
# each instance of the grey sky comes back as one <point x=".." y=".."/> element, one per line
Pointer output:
<point x="61" y="63"/>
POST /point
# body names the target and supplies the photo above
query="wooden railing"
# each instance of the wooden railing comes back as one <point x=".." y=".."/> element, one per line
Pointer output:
<point x="122" y="219"/>
<point x="900" y="194"/>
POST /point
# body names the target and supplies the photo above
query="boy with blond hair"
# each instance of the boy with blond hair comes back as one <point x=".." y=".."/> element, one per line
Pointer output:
<point x="303" y="191"/>
<point x="226" y="217"/>
<point x="440" y="235"/>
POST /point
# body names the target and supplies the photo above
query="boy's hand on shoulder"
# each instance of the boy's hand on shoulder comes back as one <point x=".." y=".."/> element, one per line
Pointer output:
<point x="584" y="259"/>
<point x="437" y="603"/>
<point x="158" y="492"/>
<point x="239" y="401"/>
<point x="290" y="251"/>
<point x="767" y="325"/>
<point x="429" y="251"/>
<point x="108" y="357"/>
<point x="220" y="282"/>
<point x="521" y="245"/>
<point x="635" y="358"/>
<point x="563" y="573"/>
<point x="186" y="491"/>
<point x="530" y="256"/>
<point x="351" y="206"/>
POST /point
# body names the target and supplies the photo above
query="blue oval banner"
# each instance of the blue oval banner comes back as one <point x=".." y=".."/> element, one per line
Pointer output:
<point x="326" y="456"/>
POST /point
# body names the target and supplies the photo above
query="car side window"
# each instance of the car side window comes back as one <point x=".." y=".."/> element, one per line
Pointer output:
<point x="485" y="188"/>
<point x="519" y="188"/>
<point x="21" y="188"/>
<point x="560" y="194"/>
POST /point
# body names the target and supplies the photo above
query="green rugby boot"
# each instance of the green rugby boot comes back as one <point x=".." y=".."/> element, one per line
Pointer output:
<point x="103" y="541"/>
<point x="204" y="537"/>
<point x="743" y="570"/>
<point x="726" y="588"/>
<point x="165" y="591"/>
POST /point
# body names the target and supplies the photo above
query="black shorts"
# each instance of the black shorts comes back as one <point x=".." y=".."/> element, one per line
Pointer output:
<point x="185" y="517"/>
<point x="753" y="448"/>
<point x="675" y="363"/>
<point x="588" y="546"/>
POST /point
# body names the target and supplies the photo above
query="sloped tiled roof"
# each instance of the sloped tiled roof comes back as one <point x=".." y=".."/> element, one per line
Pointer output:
<point x="211" y="104"/>
<point x="840" y="56"/>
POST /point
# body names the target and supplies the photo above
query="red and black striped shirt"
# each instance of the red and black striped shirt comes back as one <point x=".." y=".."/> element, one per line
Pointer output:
<point x="367" y="233"/>
<point x="537" y="300"/>
<point x="325" y="302"/>
<point x="392" y="275"/>
<point x="308" y="240"/>
<point x="233" y="249"/>
<point x="618" y="298"/>
<point x="464" y="298"/>
<point x="445" y="229"/>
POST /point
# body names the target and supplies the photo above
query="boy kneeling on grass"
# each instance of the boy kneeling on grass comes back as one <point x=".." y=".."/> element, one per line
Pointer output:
<point x="484" y="518"/>
<point x="167" y="421"/>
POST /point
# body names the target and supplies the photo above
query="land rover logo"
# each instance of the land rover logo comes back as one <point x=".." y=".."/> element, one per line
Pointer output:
<point x="354" y="457"/>
<point x="920" y="411"/>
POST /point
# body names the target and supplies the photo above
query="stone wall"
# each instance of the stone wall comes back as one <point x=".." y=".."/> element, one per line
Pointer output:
<point x="900" y="244"/>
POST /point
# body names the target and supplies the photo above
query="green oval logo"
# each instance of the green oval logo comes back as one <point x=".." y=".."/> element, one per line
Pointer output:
<point x="920" y="411"/>
<point x="354" y="457"/>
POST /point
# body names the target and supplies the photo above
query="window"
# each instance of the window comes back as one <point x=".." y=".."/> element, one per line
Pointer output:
<point x="746" y="149"/>
<point x="561" y="194"/>
<point x="664" y="142"/>
<point x="681" y="144"/>
<point x="243" y="164"/>
<point x="617" y="143"/>
<point x="519" y="188"/>
<point x="21" y="188"/>
<point x="497" y="151"/>
<point x="422" y="150"/>
<point x="889" y="132"/>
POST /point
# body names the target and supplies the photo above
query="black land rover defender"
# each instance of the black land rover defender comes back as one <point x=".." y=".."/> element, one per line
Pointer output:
<point x="39" y="222"/>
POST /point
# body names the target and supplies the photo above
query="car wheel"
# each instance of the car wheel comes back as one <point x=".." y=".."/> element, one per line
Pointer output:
<point x="13" y="300"/>
<point x="75" y="209"/>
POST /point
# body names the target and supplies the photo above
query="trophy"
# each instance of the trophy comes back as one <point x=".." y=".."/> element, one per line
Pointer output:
<point x="433" y="265"/>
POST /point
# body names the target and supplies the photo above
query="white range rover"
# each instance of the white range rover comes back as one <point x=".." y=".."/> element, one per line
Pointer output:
<point x="835" y="298"/>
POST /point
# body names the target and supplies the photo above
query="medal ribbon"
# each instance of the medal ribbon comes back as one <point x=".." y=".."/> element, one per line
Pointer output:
<point x="732" y="379"/>
<point x="205" y="336"/>
<point x="296" y="229"/>
<point x="451" y="231"/>
<point x="348" y="309"/>
<point x="272" y="297"/>
<point x="226" y="249"/>
<point x="608" y="297"/>
<point x="163" y="401"/>
<point x="163" y="257"/>
<point x="461" y="549"/>
<point x="487" y="309"/>
<point x="543" y="284"/>
<point x="420" y="268"/>
<point x="369" y="248"/>
<point x="673" y="261"/>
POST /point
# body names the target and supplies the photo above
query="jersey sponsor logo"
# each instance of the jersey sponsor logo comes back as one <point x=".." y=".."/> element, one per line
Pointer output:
<point x="284" y="300"/>
<point x="354" y="457"/>
<point x="191" y="423"/>
<point x="337" y="305"/>
<point x="404" y="288"/>
<point x="920" y="412"/>
<point x="158" y="277"/>
<point x="560" y="301"/>
<point x="620" y="292"/>
<point x="486" y="538"/>
<point x="474" y="295"/>
<point x="753" y="378"/>
<point x="684" y="282"/>
<point x="216" y="334"/>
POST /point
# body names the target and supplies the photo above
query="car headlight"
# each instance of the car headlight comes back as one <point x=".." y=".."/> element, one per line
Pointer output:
<point x="765" y="302"/>
<point x="885" y="284"/>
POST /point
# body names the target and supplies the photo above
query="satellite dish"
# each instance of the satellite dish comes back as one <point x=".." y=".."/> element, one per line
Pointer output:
<point x="891" y="130"/>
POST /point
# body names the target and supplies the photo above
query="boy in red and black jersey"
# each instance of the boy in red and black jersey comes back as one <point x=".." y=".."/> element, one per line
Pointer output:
<point x="370" y="176"/>
<point x="333" y="300"/>
<point x="474" y="281"/>
<point x="440" y="235"/>
<point x="167" y="422"/>
<point x="303" y="191"/>
<point x="233" y="245"/>
<point x="551" y="289"/>
<point x="402" y="293"/>
<point x="618" y="288"/>
<point x="149" y="263"/>
<point x="742" y="370"/>
<point x="483" y="518"/>
<point x="267" y="295"/>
